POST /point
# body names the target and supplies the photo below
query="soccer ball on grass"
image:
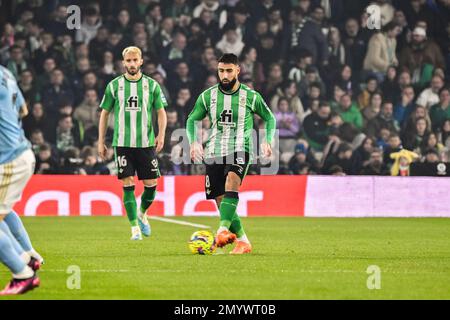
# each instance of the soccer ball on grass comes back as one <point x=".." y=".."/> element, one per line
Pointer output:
<point x="202" y="242"/>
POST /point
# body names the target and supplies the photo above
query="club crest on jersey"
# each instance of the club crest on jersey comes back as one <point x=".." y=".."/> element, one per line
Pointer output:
<point x="133" y="104"/>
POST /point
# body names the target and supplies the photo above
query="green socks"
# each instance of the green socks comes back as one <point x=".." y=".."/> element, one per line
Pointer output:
<point x="228" y="208"/>
<point x="129" y="202"/>
<point x="147" y="198"/>
<point x="236" y="226"/>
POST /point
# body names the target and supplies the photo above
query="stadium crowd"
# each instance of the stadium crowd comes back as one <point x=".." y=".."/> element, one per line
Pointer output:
<point x="346" y="97"/>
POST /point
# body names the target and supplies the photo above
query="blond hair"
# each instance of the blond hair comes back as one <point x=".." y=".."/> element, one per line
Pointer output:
<point x="131" y="50"/>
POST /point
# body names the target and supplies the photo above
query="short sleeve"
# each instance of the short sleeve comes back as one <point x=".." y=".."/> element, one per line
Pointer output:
<point x="108" y="98"/>
<point x="160" y="100"/>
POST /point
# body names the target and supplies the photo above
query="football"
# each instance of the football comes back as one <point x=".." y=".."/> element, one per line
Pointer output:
<point x="202" y="242"/>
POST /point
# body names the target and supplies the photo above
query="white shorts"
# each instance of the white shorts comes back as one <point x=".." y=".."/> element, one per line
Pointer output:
<point x="14" y="176"/>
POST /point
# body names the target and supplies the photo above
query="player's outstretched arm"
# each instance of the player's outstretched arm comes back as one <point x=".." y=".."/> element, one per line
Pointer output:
<point x="102" y="126"/>
<point x="197" y="114"/>
<point x="162" y="124"/>
<point x="266" y="114"/>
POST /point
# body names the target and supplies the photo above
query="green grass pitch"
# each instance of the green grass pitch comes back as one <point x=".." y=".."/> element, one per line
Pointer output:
<point x="293" y="258"/>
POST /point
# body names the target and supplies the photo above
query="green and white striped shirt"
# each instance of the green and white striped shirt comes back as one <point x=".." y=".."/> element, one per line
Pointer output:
<point x="133" y="102"/>
<point x="231" y="117"/>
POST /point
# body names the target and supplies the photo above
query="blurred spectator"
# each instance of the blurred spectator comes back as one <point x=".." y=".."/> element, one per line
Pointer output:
<point x="375" y="165"/>
<point x="45" y="161"/>
<point x="316" y="127"/>
<point x="361" y="156"/>
<point x="71" y="162"/>
<point x="17" y="62"/>
<point x="67" y="134"/>
<point x="373" y="109"/>
<point x="381" y="52"/>
<point x="306" y="34"/>
<point x="440" y="112"/>
<point x="299" y="162"/>
<point x="274" y="79"/>
<point x="384" y="120"/>
<point x="91" y="23"/>
<point x="431" y="142"/>
<point x="287" y="121"/>
<point x="37" y="119"/>
<point x="390" y="87"/>
<point x="350" y="112"/>
<point x="172" y="124"/>
<point x="341" y="158"/>
<point x="91" y="165"/>
<point x="421" y="56"/>
<point x="90" y="137"/>
<point x="28" y="87"/>
<point x="394" y="145"/>
<point x="414" y="138"/>
<point x="288" y="91"/>
<point x="371" y="87"/>
<point x="86" y="112"/>
<point x="430" y="96"/>
<point x="250" y="67"/>
<point x="56" y="93"/>
<point x="298" y="71"/>
<point x="405" y="107"/>
<point x="355" y="44"/>
<point x="230" y="42"/>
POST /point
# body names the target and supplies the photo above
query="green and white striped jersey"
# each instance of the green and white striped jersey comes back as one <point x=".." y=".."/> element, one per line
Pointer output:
<point x="133" y="102"/>
<point x="231" y="117"/>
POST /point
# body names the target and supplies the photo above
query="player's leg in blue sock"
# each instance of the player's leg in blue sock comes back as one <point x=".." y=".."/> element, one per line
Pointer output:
<point x="18" y="230"/>
<point x="16" y="245"/>
<point x="20" y="233"/>
<point x="9" y="256"/>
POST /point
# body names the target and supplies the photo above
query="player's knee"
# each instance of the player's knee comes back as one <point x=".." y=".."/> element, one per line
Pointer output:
<point x="151" y="183"/>
<point x="233" y="182"/>
<point x="129" y="181"/>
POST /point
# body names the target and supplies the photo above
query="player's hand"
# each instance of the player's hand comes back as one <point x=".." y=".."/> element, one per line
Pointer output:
<point x="159" y="142"/>
<point x="102" y="151"/>
<point x="196" y="152"/>
<point x="266" y="149"/>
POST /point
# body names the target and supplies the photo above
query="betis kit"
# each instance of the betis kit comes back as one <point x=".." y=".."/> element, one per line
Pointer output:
<point x="230" y="142"/>
<point x="132" y="103"/>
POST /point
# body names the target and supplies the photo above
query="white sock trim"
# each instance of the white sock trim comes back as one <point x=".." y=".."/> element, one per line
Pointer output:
<point x="26" y="273"/>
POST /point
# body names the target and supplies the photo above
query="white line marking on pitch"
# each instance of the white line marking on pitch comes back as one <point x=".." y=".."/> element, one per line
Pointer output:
<point x="185" y="223"/>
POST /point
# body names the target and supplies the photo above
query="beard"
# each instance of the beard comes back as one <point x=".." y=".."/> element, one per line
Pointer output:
<point x="227" y="86"/>
<point x="132" y="71"/>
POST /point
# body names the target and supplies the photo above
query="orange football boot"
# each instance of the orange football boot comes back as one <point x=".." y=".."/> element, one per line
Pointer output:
<point x="225" y="237"/>
<point x="242" y="248"/>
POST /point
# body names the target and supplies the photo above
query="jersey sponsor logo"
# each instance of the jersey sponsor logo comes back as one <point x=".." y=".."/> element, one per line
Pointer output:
<point x="133" y="104"/>
<point x="226" y="119"/>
